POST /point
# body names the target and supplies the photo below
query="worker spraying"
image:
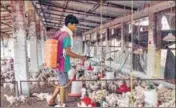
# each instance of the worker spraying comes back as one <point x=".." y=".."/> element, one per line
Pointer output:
<point x="64" y="38"/>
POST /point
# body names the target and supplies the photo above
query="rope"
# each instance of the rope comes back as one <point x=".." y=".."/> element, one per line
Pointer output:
<point x="131" y="73"/>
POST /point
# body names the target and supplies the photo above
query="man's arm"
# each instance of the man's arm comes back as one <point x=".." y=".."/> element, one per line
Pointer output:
<point x="74" y="55"/>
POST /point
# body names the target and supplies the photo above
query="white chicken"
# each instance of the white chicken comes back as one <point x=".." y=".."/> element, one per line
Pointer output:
<point x="56" y="83"/>
<point x="94" y="86"/>
<point x="12" y="87"/>
<point x="83" y="92"/>
<point x="10" y="99"/>
<point x="42" y="83"/>
<point x="105" y="104"/>
<point x="58" y="106"/>
<point x="40" y="96"/>
<point x="103" y="85"/>
<point x="48" y="97"/>
<point x="22" y="98"/>
<point x="51" y="80"/>
<point x="5" y="85"/>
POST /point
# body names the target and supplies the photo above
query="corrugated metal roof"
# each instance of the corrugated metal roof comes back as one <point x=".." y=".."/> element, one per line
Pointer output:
<point x="87" y="11"/>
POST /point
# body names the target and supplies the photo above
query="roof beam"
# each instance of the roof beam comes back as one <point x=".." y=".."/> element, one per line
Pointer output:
<point x="139" y="14"/>
<point x="43" y="12"/>
<point x="118" y="6"/>
<point x="80" y="19"/>
<point x="78" y="24"/>
<point x="37" y="12"/>
<point x="106" y="3"/>
<point x="5" y="33"/>
<point x="7" y="15"/>
<point x="70" y="12"/>
<point x="49" y="25"/>
<point x="71" y="9"/>
<point x="6" y="24"/>
<point x="65" y="6"/>
<point x="6" y="30"/>
<point x="5" y="7"/>
<point x="59" y="19"/>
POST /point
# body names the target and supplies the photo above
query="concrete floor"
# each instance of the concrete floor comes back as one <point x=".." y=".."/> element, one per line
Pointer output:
<point x="32" y="101"/>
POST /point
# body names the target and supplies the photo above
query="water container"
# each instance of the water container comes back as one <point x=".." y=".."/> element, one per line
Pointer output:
<point x="50" y="55"/>
<point x="96" y="69"/>
<point x="71" y="74"/>
<point x="151" y="97"/>
<point x="76" y="88"/>
<point x="109" y="75"/>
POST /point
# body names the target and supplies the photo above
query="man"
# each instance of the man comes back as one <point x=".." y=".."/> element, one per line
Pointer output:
<point x="65" y="42"/>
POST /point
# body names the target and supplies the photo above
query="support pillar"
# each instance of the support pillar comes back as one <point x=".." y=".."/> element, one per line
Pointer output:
<point x="39" y="49"/>
<point x="38" y="27"/>
<point x="20" y="47"/>
<point x="158" y="71"/>
<point x="151" y="47"/>
<point x="122" y="37"/>
<point x="34" y="55"/>
<point x="33" y="43"/>
<point x="42" y="46"/>
<point x="40" y="52"/>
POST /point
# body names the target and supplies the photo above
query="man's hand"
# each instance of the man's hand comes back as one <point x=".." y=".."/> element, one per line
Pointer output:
<point x="83" y="58"/>
<point x="74" y="55"/>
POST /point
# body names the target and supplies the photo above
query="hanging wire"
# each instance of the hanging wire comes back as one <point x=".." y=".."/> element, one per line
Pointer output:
<point x="101" y="27"/>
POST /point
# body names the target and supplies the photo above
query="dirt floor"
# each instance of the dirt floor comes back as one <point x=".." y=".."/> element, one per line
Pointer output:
<point x="32" y="101"/>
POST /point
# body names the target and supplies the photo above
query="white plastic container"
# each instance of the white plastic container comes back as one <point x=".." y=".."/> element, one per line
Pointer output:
<point x="96" y="69"/>
<point x="76" y="87"/>
<point x="109" y="75"/>
<point x="71" y="73"/>
<point x="151" y="97"/>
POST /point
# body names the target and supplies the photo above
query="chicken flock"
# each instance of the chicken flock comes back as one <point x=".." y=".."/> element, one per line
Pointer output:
<point x="103" y="93"/>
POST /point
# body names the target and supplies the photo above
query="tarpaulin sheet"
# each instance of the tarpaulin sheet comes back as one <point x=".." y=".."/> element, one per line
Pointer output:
<point x="140" y="62"/>
<point x="170" y="66"/>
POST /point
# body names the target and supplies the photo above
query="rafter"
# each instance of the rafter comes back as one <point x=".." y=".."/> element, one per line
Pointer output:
<point x="4" y="33"/>
<point x="6" y="24"/>
<point x="78" y="24"/>
<point x="57" y="27"/>
<point x="75" y="10"/>
<point x="80" y="19"/>
<point x="105" y="3"/>
<point x="37" y="12"/>
<point x="65" y="6"/>
<point x="142" y="13"/>
<point x="59" y="19"/>
<point x="5" y="7"/>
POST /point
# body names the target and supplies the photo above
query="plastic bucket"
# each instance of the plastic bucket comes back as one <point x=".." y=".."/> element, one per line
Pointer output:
<point x="76" y="88"/>
<point x="109" y="75"/>
<point x="151" y="97"/>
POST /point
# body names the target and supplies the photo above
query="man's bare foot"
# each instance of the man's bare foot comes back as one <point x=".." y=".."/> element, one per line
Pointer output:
<point x="51" y="102"/>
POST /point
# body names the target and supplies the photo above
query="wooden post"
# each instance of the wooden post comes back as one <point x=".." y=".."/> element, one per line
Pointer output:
<point x="151" y="46"/>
